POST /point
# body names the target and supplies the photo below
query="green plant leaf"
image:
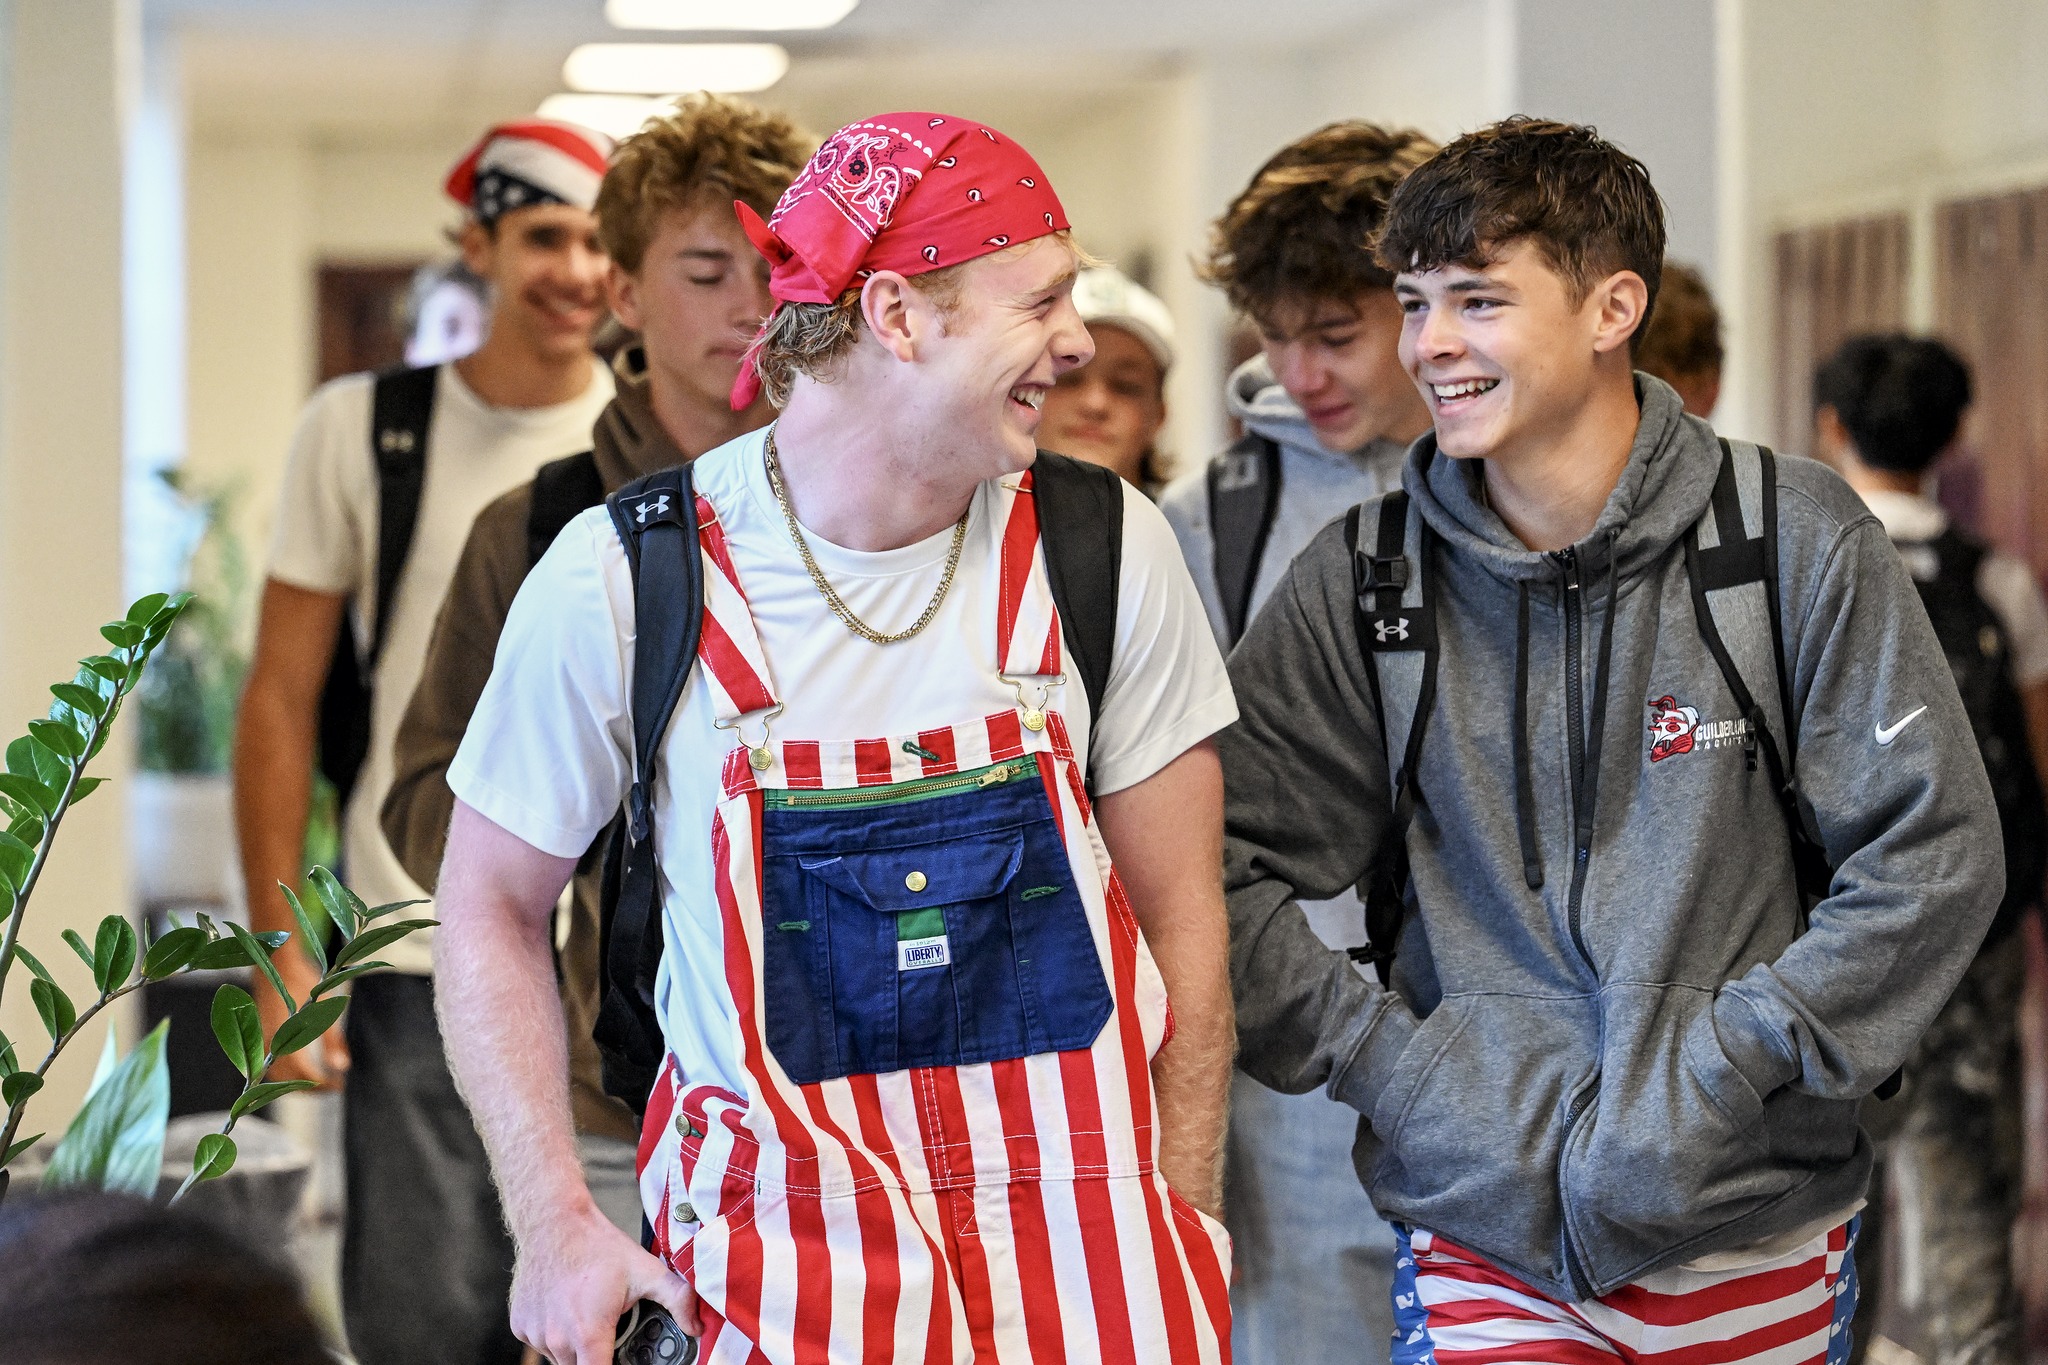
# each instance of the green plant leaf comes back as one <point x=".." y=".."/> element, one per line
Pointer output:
<point x="106" y="666"/>
<point x="117" y="1140"/>
<point x="380" y="911"/>
<point x="257" y="1096"/>
<point x="255" y="948"/>
<point x="25" y="789"/>
<point x="371" y="940"/>
<point x="58" y="737"/>
<point x="80" y="699"/>
<point x="8" y="1066"/>
<point x="21" y="951"/>
<point x="79" y="946"/>
<point x="86" y="787"/>
<point x="59" y="1014"/>
<point x="16" y="858"/>
<point x="307" y="1024"/>
<point x="309" y="935"/>
<point x="124" y="634"/>
<point x="224" y="953"/>
<point x="29" y="829"/>
<point x="113" y="953"/>
<point x="214" y="1157"/>
<point x="344" y="908"/>
<point x="239" y="1027"/>
<point x="337" y="979"/>
<point x="174" y="950"/>
<point x="18" y="1087"/>
<point x="146" y="607"/>
<point x="7" y="1157"/>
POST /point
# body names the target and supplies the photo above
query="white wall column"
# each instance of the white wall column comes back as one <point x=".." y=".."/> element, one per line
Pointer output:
<point x="67" y="71"/>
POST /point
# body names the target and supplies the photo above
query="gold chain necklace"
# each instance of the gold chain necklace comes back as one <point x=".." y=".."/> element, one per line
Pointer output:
<point x="824" y="585"/>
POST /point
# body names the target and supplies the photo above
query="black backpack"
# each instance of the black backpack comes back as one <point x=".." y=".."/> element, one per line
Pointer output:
<point x="1731" y="563"/>
<point x="1980" y="655"/>
<point x="401" y="409"/>
<point x="1244" y="497"/>
<point x="1080" y="517"/>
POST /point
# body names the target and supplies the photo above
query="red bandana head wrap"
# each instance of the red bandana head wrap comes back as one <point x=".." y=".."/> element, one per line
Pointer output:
<point x="904" y="192"/>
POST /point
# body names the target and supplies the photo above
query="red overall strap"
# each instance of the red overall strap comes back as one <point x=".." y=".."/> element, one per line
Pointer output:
<point x="731" y="647"/>
<point x="1027" y="624"/>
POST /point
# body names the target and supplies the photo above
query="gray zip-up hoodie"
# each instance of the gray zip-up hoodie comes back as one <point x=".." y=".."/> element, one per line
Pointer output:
<point x="1643" y="1059"/>
<point x="1315" y="485"/>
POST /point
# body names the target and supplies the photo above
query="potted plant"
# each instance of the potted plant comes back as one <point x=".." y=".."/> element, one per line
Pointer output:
<point x="116" y="1139"/>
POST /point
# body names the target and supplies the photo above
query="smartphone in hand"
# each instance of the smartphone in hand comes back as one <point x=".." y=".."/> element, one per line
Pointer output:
<point x="649" y="1336"/>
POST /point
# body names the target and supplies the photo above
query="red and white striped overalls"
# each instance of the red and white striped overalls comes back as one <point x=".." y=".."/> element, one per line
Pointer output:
<point x="945" y="1147"/>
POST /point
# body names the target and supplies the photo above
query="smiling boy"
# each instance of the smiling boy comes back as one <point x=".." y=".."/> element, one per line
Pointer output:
<point x="1612" y="1088"/>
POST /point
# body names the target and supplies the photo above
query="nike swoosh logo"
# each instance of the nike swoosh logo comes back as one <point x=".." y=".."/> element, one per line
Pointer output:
<point x="1887" y="733"/>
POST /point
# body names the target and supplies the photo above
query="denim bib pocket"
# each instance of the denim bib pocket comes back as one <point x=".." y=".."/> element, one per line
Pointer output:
<point x="923" y="924"/>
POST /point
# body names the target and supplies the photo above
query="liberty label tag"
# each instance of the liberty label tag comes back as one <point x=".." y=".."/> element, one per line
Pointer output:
<point x="913" y="954"/>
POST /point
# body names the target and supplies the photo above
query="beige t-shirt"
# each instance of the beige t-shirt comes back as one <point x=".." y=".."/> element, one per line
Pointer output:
<point x="326" y="541"/>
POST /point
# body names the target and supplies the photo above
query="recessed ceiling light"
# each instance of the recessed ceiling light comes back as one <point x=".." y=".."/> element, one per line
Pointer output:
<point x="613" y="115"/>
<point x="668" y="68"/>
<point x="726" y="15"/>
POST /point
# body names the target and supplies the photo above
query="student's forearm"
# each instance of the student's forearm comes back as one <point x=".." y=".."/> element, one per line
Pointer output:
<point x="1192" y="1072"/>
<point x="501" y="1022"/>
<point x="273" y="782"/>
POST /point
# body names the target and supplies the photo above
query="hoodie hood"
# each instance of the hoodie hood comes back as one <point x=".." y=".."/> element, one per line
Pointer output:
<point x="1256" y="399"/>
<point x="1663" y="489"/>
<point x="629" y="440"/>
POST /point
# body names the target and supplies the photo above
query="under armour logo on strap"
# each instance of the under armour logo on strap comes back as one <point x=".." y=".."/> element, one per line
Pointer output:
<point x="656" y="510"/>
<point x="395" y="441"/>
<point x="1391" y="630"/>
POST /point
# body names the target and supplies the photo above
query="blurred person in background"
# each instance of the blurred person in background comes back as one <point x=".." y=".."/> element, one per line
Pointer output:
<point x="1328" y="413"/>
<point x="446" y="312"/>
<point x="1887" y="409"/>
<point x="106" y="1279"/>
<point x="1110" y="410"/>
<point x="1682" y="344"/>
<point x="385" y="475"/>
<point x="691" y="287"/>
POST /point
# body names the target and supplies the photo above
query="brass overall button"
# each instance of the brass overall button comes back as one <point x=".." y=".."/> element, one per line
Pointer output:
<point x="915" y="881"/>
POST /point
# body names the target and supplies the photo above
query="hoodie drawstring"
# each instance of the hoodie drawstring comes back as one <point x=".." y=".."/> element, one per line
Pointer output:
<point x="1525" y="799"/>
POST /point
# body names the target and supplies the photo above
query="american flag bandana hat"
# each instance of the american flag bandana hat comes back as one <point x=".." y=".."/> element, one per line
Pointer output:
<point x="532" y="161"/>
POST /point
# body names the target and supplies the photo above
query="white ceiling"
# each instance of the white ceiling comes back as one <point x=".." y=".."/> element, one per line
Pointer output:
<point x="352" y="69"/>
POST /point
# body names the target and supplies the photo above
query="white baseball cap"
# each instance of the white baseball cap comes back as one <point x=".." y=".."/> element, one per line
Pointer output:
<point x="1106" y="294"/>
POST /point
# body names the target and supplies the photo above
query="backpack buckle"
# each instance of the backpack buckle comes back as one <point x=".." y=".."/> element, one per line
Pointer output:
<point x="1376" y="574"/>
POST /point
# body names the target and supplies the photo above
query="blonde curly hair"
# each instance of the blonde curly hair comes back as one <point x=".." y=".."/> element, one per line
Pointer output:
<point x="709" y="151"/>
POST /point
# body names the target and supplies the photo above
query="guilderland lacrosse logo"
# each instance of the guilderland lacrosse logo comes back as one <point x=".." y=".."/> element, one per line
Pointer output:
<point x="1676" y="729"/>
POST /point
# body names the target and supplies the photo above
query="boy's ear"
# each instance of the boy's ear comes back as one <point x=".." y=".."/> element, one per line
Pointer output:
<point x="622" y="292"/>
<point x="894" y="312"/>
<point x="1622" y="306"/>
<point x="479" y="248"/>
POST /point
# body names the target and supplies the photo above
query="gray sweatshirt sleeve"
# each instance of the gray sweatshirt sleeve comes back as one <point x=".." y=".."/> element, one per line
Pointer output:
<point x="1305" y="802"/>
<point x="1898" y="794"/>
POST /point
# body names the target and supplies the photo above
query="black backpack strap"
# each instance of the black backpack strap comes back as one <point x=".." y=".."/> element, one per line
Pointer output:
<point x="562" y="489"/>
<point x="1244" y="497"/>
<point x="656" y="521"/>
<point x="1394" y="612"/>
<point x="1731" y="562"/>
<point x="401" y="410"/>
<point x="1081" y="526"/>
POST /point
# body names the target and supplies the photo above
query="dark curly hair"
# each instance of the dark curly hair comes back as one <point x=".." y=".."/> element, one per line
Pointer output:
<point x="1900" y="397"/>
<point x="1303" y="228"/>
<point x="1588" y="205"/>
<point x="709" y="150"/>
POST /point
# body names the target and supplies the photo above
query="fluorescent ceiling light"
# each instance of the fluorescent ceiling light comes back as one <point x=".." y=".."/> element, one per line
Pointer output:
<point x="613" y="115"/>
<point x="670" y="68"/>
<point x="727" y="15"/>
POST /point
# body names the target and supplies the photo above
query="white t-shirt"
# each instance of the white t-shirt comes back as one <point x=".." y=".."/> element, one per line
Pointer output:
<point x="549" y="752"/>
<point x="326" y="541"/>
<point x="2006" y="585"/>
